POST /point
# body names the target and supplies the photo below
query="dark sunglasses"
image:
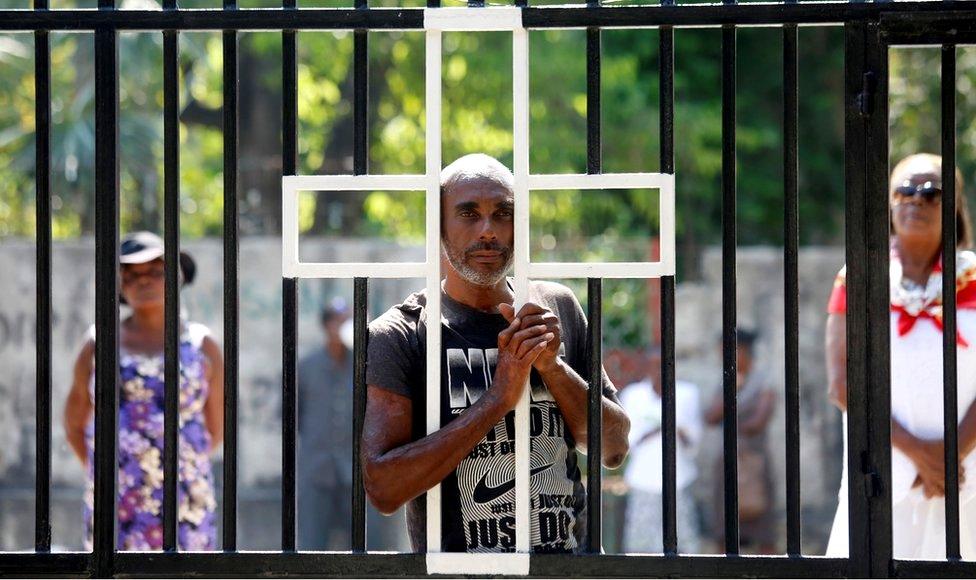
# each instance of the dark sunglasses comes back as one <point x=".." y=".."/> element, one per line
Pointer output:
<point x="925" y="191"/>
<point x="130" y="277"/>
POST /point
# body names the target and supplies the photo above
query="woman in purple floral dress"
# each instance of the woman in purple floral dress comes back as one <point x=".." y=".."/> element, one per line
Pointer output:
<point x="141" y="396"/>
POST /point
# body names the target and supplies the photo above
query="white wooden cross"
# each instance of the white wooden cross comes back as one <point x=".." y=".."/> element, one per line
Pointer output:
<point x="436" y="22"/>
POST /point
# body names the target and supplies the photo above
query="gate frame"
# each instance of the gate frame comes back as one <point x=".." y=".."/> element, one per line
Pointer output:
<point x="869" y="29"/>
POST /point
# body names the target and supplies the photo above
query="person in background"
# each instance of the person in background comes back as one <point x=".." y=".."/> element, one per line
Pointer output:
<point x="141" y="401"/>
<point x="918" y="451"/>
<point x="643" y="524"/>
<point x="755" y="404"/>
<point x="325" y="399"/>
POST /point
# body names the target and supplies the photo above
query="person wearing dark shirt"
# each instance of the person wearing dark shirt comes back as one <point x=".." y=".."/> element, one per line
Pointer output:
<point x="489" y="352"/>
<point x="325" y="382"/>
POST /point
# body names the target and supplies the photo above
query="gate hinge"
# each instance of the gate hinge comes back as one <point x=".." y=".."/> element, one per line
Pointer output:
<point x="865" y="99"/>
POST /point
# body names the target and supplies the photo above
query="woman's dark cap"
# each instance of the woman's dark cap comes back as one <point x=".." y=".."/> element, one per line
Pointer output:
<point x="142" y="247"/>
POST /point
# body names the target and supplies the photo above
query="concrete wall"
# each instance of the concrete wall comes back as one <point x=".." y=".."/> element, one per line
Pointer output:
<point x="698" y="316"/>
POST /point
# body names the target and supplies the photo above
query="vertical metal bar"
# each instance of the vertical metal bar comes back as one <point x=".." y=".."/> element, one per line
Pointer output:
<point x="43" y="271"/>
<point x="360" y="167"/>
<point x="106" y="295"/>
<point x="593" y="145"/>
<point x="855" y="155"/>
<point x="949" y="376"/>
<point x="360" y="336"/>
<point x="868" y="356"/>
<point x="289" y="301"/>
<point x="728" y="289"/>
<point x="791" y="289"/>
<point x="877" y="219"/>
<point x="289" y="394"/>
<point x="594" y="158"/>
<point x="360" y="99"/>
<point x="594" y="417"/>
<point x="171" y="229"/>
<point x="231" y="283"/>
<point x="668" y="411"/>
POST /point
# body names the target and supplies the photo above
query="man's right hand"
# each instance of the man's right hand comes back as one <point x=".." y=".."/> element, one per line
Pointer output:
<point x="517" y="350"/>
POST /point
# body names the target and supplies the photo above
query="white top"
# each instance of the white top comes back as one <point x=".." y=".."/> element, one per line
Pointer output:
<point x="916" y="390"/>
<point x="916" y="394"/>
<point x="643" y="406"/>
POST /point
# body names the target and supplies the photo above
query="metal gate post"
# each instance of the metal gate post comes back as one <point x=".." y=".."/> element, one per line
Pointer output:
<point x="868" y="362"/>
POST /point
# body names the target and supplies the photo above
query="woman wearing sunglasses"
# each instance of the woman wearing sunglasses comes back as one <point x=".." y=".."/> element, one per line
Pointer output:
<point x="141" y="399"/>
<point x="918" y="472"/>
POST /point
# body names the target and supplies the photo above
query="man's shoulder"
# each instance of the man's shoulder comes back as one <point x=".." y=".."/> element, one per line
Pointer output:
<point x="407" y="312"/>
<point x="549" y="290"/>
<point x="401" y="321"/>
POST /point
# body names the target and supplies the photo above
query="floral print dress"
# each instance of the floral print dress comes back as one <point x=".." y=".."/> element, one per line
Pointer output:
<point x="140" y="451"/>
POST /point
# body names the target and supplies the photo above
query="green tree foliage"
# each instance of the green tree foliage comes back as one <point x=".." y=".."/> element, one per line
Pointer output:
<point x="477" y="116"/>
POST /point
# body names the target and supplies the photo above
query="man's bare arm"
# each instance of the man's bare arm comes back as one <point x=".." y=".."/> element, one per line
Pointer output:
<point x="571" y="393"/>
<point x="396" y="469"/>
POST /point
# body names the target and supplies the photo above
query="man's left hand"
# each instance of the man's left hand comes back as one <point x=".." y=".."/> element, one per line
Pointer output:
<point x="532" y="314"/>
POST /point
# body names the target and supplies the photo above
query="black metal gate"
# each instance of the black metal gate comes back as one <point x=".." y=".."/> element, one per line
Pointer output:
<point x="870" y="28"/>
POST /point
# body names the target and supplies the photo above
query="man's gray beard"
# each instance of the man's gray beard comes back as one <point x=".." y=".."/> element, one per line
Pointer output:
<point x="476" y="277"/>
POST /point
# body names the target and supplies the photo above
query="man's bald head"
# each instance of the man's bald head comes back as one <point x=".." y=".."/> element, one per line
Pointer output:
<point x="476" y="169"/>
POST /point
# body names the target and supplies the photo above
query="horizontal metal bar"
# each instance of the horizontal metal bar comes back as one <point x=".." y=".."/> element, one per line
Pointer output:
<point x="307" y="564"/>
<point x="936" y="569"/>
<point x="648" y="566"/>
<point x="354" y="182"/>
<point x="601" y="181"/>
<point x="25" y="564"/>
<point x="934" y="27"/>
<point x="355" y="270"/>
<point x="748" y="14"/>
<point x="751" y="14"/>
<point x="209" y="19"/>
<point x="333" y="564"/>
<point x="556" y="270"/>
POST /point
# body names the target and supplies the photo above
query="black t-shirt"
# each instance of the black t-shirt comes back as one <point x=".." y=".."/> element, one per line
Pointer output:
<point x="478" y="498"/>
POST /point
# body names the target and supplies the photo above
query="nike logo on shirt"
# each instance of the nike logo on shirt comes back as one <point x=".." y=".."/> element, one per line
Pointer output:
<point x="483" y="493"/>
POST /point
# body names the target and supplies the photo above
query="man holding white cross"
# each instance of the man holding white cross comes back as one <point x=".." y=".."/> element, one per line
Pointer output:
<point x="489" y="352"/>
